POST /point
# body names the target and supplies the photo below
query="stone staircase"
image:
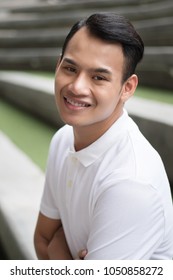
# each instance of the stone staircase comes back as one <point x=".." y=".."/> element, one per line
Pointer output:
<point x="21" y="185"/>
<point x="31" y="34"/>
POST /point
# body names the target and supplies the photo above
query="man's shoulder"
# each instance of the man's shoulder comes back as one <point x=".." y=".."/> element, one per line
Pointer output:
<point x="64" y="132"/>
<point x="62" y="138"/>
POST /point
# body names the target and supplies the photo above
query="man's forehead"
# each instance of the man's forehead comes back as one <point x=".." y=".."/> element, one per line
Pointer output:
<point x="84" y="38"/>
<point x="78" y="38"/>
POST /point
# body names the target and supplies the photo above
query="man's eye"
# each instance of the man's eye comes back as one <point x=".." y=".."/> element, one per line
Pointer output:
<point x="99" y="78"/>
<point x="70" y="69"/>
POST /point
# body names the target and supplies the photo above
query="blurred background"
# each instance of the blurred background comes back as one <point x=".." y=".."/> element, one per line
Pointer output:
<point x="31" y="37"/>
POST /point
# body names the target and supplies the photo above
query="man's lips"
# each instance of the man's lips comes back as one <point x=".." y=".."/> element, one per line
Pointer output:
<point x="76" y="103"/>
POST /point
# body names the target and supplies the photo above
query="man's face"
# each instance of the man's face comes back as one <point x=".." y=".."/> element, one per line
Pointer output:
<point x="88" y="83"/>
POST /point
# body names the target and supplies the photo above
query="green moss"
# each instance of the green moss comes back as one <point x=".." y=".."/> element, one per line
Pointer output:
<point x="49" y="75"/>
<point x="155" y="94"/>
<point x="29" y="134"/>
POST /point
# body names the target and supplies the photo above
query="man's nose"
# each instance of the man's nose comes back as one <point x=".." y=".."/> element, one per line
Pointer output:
<point x="80" y="85"/>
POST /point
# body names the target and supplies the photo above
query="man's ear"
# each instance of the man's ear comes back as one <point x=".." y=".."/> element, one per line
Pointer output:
<point x="129" y="87"/>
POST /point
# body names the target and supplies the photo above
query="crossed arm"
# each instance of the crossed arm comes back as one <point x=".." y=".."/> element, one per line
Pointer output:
<point x="124" y="219"/>
<point x="50" y="242"/>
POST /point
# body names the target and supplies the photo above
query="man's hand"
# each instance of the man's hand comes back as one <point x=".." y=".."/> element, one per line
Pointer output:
<point x="82" y="254"/>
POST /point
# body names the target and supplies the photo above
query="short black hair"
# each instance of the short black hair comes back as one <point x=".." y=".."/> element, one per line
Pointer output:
<point x="113" y="28"/>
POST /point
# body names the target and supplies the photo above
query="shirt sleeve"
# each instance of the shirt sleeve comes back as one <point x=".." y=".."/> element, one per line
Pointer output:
<point x="48" y="205"/>
<point x="127" y="222"/>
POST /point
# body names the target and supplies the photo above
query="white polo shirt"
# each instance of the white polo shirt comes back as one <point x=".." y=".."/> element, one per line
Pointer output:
<point x="113" y="197"/>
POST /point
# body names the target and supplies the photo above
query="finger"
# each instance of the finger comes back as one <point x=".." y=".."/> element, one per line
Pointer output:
<point x="82" y="254"/>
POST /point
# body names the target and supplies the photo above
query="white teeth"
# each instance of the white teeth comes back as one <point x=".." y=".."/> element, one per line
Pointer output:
<point x="76" y="103"/>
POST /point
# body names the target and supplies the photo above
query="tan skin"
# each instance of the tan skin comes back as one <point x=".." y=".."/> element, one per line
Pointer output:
<point x="90" y="97"/>
<point x="50" y="237"/>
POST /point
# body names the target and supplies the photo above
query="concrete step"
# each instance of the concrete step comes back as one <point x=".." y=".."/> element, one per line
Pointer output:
<point x="57" y="15"/>
<point x="32" y="38"/>
<point x="134" y="10"/>
<point x="43" y="59"/>
<point x="56" y="5"/>
<point x="157" y="32"/>
<point x="21" y="185"/>
<point x="156" y="68"/>
<point x="35" y="21"/>
<point x="33" y="93"/>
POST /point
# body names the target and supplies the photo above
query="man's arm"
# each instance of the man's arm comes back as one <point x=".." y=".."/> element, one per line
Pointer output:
<point x="44" y="232"/>
<point x="58" y="248"/>
<point x="49" y="239"/>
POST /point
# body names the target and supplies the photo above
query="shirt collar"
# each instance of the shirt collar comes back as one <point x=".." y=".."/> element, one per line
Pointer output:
<point x="94" y="151"/>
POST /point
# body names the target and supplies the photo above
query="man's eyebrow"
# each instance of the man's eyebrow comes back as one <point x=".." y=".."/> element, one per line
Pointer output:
<point x="68" y="60"/>
<point x="102" y="70"/>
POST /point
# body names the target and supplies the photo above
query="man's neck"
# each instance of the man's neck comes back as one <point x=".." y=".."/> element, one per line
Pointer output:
<point x="86" y="135"/>
<point x="83" y="137"/>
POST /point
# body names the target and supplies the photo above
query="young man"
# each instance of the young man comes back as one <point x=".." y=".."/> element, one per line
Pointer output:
<point x="106" y="190"/>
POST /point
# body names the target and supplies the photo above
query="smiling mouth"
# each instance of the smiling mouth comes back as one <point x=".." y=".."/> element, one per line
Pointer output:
<point x="75" y="103"/>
